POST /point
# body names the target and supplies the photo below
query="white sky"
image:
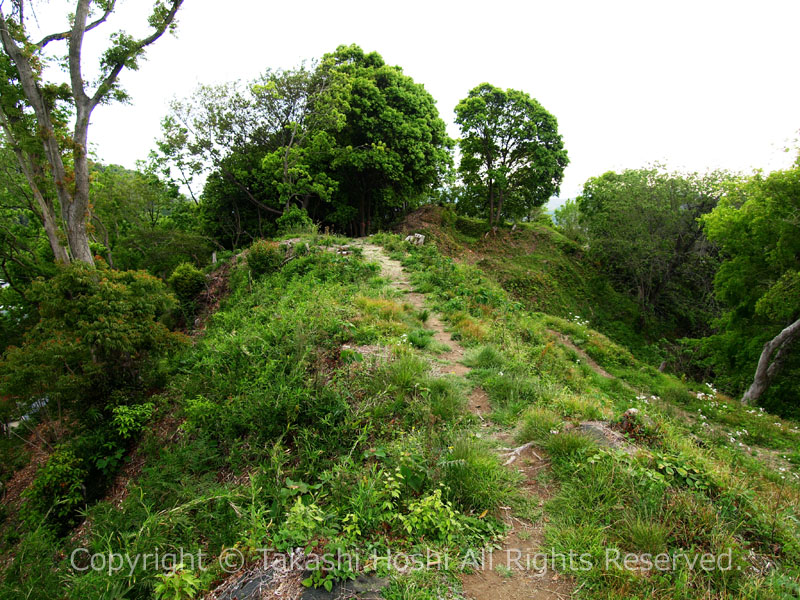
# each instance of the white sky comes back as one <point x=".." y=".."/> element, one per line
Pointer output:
<point x="699" y="84"/>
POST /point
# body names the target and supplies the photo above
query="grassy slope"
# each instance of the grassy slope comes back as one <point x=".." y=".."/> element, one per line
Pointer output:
<point x="707" y="475"/>
<point x="543" y="270"/>
<point x="282" y="400"/>
<point x="282" y="428"/>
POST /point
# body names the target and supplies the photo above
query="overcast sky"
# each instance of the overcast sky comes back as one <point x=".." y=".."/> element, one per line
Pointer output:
<point x="700" y="84"/>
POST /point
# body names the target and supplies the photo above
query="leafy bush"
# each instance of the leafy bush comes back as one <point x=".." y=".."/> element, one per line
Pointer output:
<point x="98" y="331"/>
<point x="264" y="257"/>
<point x="302" y="524"/>
<point x="57" y="491"/>
<point x="187" y="281"/>
<point x="178" y="584"/>
<point x="295" y="220"/>
<point x="129" y="420"/>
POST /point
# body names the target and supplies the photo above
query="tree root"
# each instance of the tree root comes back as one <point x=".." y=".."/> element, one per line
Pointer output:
<point x="513" y="453"/>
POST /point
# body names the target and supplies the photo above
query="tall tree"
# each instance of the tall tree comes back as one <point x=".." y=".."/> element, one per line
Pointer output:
<point x="642" y="226"/>
<point x="393" y="146"/>
<point x="512" y="155"/>
<point x="228" y="129"/>
<point x="757" y="228"/>
<point x="71" y="181"/>
<point x="19" y="134"/>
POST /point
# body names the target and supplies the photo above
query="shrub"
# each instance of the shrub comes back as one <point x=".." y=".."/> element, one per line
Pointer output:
<point x="129" y="420"/>
<point x="187" y="281"/>
<point x="295" y="220"/>
<point x="264" y="257"/>
<point x="57" y="491"/>
<point x="178" y="584"/>
<point x="98" y="331"/>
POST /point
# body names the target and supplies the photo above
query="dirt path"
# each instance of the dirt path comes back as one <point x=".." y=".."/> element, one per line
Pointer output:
<point x="582" y="353"/>
<point x="513" y="572"/>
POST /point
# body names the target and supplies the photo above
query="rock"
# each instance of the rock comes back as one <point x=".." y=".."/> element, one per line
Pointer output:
<point x="417" y="239"/>
<point x="248" y="586"/>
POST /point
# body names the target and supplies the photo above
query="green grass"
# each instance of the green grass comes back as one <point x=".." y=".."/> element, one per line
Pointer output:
<point x="271" y="433"/>
<point x="691" y="489"/>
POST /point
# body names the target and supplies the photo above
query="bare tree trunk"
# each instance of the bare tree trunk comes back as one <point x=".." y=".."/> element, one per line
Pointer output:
<point x="768" y="366"/>
<point x="491" y="203"/>
<point x="500" y="199"/>
<point x="46" y="208"/>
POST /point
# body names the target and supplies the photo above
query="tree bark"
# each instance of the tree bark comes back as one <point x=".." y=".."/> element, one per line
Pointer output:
<point x="46" y="207"/>
<point x="768" y="366"/>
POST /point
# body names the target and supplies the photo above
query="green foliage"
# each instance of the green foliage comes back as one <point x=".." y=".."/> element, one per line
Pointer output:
<point x="265" y="257"/>
<point x="57" y="491"/>
<point x="431" y="518"/>
<point x="393" y="145"/>
<point x="178" y="584"/>
<point x="295" y="220"/>
<point x="352" y="140"/>
<point x="128" y="420"/>
<point x="144" y="221"/>
<point x="569" y="220"/>
<point x="303" y="523"/>
<point x="756" y="229"/>
<point x="187" y="281"/>
<point x="642" y="226"/>
<point x="512" y="156"/>
<point x="98" y="331"/>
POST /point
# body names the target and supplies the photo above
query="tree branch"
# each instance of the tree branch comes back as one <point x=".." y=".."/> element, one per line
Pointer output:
<point x="55" y="37"/>
<point x="111" y="78"/>
<point x="75" y="49"/>
<point x="767" y="367"/>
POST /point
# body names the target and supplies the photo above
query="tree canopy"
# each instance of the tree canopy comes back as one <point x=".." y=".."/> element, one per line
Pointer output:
<point x="756" y="228"/>
<point x="512" y="156"/>
<point x="642" y="226"/>
<point x="350" y="139"/>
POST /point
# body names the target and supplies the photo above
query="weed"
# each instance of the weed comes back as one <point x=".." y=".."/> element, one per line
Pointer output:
<point x="474" y="478"/>
<point x="538" y="425"/>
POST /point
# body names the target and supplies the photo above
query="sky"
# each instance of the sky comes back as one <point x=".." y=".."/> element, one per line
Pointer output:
<point x="697" y="85"/>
